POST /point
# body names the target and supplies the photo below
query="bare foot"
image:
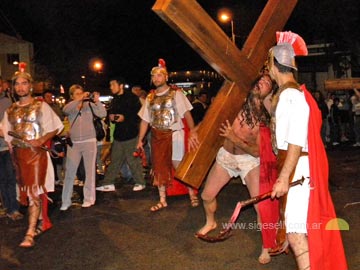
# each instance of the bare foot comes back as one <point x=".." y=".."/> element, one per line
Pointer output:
<point x="264" y="257"/>
<point x="207" y="228"/>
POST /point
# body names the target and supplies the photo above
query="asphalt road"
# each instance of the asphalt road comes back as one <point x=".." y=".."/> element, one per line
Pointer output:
<point x="120" y="232"/>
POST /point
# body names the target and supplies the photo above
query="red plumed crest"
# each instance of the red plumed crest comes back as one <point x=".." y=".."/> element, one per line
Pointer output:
<point x="162" y="63"/>
<point x="22" y="66"/>
<point x="295" y="40"/>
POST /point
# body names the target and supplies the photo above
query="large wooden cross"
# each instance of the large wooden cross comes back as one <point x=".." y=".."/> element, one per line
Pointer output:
<point x="238" y="67"/>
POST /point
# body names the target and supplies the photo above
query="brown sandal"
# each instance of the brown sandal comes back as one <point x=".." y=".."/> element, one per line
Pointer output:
<point x="28" y="241"/>
<point x="14" y="216"/>
<point x="40" y="229"/>
<point x="158" y="206"/>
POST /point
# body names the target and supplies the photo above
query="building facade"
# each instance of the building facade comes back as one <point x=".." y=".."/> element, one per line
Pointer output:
<point x="13" y="51"/>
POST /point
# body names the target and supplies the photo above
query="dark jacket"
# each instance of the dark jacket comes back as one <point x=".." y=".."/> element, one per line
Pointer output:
<point x="127" y="104"/>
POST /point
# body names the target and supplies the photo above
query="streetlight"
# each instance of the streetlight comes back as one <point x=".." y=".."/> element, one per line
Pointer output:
<point x="83" y="77"/>
<point x="225" y="16"/>
<point x="98" y="65"/>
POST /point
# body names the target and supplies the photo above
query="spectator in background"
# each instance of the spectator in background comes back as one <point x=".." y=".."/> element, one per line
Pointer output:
<point x="82" y="134"/>
<point x="123" y="113"/>
<point x="355" y="100"/>
<point x="334" y="121"/>
<point x="48" y="98"/>
<point x="7" y="175"/>
<point x="9" y="92"/>
<point x="199" y="107"/>
<point x="190" y="97"/>
<point x="345" y="109"/>
<point x="138" y="91"/>
<point x="324" y="113"/>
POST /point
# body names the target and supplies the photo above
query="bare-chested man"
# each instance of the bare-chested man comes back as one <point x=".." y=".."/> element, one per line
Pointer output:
<point x="240" y="156"/>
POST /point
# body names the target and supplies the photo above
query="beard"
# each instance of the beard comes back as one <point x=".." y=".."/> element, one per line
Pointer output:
<point x="23" y="94"/>
<point x="159" y="84"/>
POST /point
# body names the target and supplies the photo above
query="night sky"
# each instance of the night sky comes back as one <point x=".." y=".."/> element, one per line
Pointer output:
<point x="129" y="37"/>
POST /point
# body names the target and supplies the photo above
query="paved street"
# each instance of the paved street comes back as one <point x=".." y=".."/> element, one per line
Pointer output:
<point x="120" y="232"/>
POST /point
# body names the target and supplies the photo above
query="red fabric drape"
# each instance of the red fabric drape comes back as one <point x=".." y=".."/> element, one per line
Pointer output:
<point x="325" y="246"/>
<point x="268" y="209"/>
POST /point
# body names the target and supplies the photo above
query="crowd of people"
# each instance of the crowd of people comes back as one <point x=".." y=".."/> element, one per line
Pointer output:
<point x="340" y="117"/>
<point x="275" y="139"/>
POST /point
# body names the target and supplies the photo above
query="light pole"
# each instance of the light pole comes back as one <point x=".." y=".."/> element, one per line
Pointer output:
<point x="225" y="16"/>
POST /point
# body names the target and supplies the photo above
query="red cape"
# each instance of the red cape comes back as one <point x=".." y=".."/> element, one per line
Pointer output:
<point x="325" y="246"/>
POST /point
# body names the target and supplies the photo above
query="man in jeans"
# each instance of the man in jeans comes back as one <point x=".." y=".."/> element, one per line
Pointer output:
<point x="7" y="175"/>
<point x="123" y="113"/>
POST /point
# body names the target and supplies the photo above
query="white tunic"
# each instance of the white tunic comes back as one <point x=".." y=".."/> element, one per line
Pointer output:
<point x="292" y="117"/>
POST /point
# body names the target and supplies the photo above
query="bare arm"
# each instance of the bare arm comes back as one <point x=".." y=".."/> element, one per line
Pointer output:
<point x="193" y="138"/>
<point x="251" y="147"/>
<point x="142" y="132"/>
<point x="281" y="186"/>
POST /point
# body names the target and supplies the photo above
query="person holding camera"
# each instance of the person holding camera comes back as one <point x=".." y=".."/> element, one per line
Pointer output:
<point x="123" y="113"/>
<point x="83" y="143"/>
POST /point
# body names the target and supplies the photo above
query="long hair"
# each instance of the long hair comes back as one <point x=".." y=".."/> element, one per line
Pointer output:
<point x="253" y="110"/>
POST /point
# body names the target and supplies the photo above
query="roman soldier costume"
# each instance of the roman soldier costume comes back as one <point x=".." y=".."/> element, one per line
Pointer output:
<point x="325" y="246"/>
<point x="31" y="161"/>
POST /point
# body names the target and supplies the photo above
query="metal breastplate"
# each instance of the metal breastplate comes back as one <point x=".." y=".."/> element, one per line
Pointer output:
<point x="25" y="120"/>
<point x="163" y="111"/>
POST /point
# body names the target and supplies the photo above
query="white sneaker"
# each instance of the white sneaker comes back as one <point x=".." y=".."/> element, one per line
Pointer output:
<point x="64" y="207"/>
<point x="138" y="187"/>
<point x="356" y="144"/>
<point x="335" y="143"/>
<point x="106" y="188"/>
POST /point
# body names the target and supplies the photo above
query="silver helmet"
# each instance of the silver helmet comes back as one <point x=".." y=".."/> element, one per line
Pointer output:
<point x="285" y="55"/>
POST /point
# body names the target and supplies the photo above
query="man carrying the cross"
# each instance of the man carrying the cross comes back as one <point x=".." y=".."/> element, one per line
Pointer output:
<point x="243" y="154"/>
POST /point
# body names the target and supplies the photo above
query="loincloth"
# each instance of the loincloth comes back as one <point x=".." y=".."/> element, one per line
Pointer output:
<point x="161" y="155"/>
<point x="237" y="165"/>
<point x="31" y="164"/>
